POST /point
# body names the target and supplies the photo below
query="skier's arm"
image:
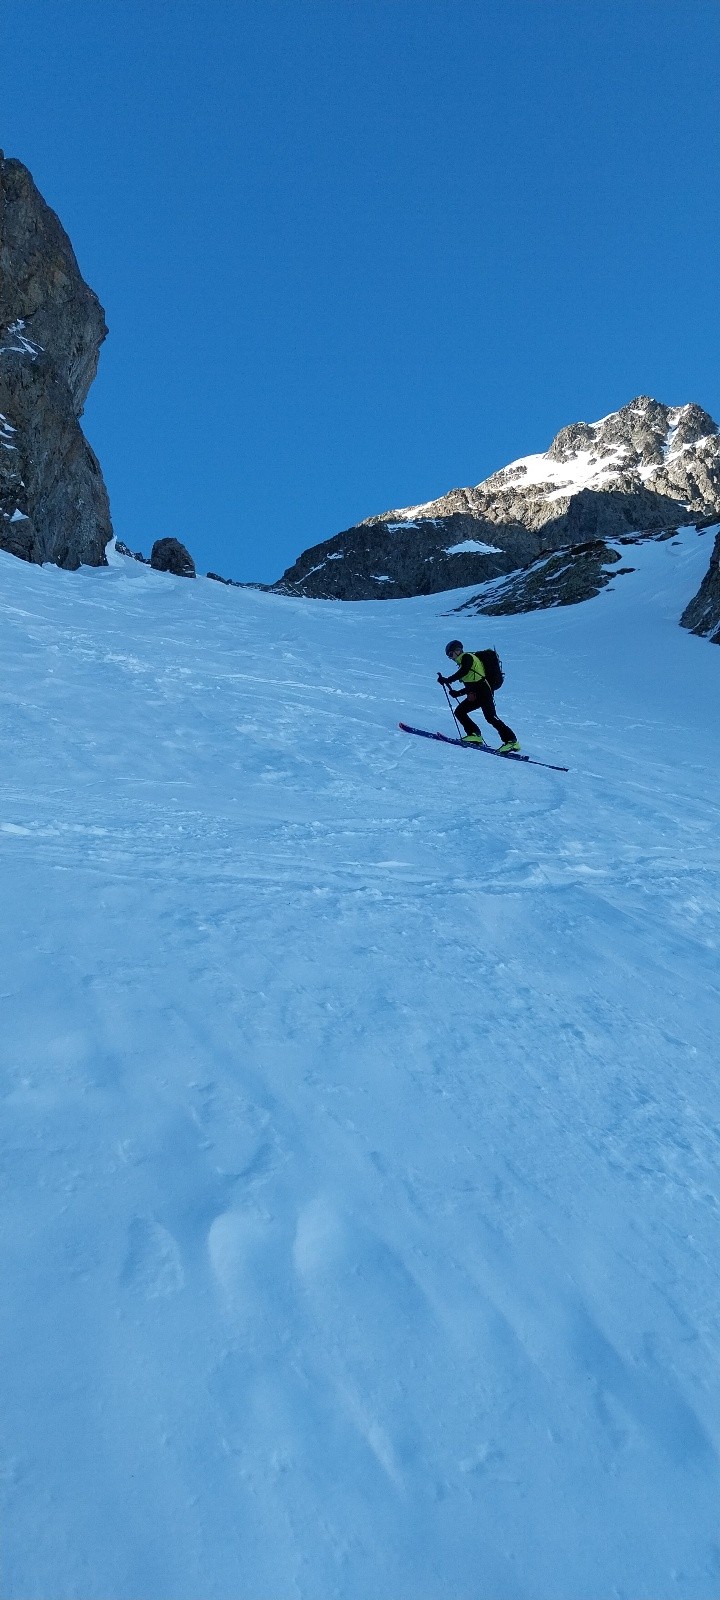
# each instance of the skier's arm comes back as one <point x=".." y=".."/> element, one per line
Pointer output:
<point x="457" y="694"/>
<point x="465" y="665"/>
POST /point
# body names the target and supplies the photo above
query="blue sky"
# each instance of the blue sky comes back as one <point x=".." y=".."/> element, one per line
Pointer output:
<point x="355" y="252"/>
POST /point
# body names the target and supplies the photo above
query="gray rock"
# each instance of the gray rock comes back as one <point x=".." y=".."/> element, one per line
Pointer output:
<point x="169" y="555"/>
<point x="17" y="535"/>
<point x="230" y="583"/>
<point x="134" y="555"/>
<point x="702" y="616"/>
<point x="51" y="328"/>
<point x="644" y="468"/>
<point x="234" y="583"/>
<point x="563" y="579"/>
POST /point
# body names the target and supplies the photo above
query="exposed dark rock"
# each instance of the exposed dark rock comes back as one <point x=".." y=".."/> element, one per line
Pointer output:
<point x="235" y="583"/>
<point x="51" y="328"/>
<point x="135" y="555"/>
<point x="702" y="616"/>
<point x="643" y="433"/>
<point x="381" y="561"/>
<point x="642" y="468"/>
<point x="180" y="562"/>
<point x="611" y="514"/>
<point x="17" y="535"/>
<point x="566" y="578"/>
<point x="563" y="579"/>
<point x="232" y="583"/>
<point x="169" y="555"/>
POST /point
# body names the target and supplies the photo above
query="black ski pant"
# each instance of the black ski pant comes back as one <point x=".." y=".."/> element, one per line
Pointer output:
<point x="481" y="698"/>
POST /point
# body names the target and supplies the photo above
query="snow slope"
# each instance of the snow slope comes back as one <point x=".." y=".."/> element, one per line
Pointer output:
<point x="360" y="1109"/>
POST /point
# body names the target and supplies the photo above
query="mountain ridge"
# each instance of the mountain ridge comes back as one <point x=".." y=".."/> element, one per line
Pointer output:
<point x="644" y="468"/>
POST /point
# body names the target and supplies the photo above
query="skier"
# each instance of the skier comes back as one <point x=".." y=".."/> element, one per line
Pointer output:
<point x="478" y="696"/>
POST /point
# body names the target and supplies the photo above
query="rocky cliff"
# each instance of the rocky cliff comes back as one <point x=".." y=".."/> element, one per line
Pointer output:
<point x="647" y="467"/>
<point x="53" y="502"/>
<point x="702" y="616"/>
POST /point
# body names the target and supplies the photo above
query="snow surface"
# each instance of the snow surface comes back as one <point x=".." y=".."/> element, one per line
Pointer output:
<point x="408" y="522"/>
<point x="472" y="544"/>
<point x="7" y="432"/>
<point x="24" y="346"/>
<point x="585" y="467"/>
<point x="407" y="518"/>
<point x="360" y="1106"/>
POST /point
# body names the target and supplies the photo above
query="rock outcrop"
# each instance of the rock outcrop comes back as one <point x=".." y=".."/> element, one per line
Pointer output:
<point x="53" y="502"/>
<point x="647" y="467"/>
<point x="562" y="579"/>
<point x="565" y="578"/>
<point x="234" y="583"/>
<point x="135" y="555"/>
<point x="702" y="616"/>
<point x="169" y="555"/>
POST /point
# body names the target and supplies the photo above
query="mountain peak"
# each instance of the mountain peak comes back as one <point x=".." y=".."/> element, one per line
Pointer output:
<point x="647" y="466"/>
<point x="645" y="429"/>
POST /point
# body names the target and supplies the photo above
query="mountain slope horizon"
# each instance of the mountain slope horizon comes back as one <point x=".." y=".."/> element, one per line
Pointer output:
<point x="645" y="467"/>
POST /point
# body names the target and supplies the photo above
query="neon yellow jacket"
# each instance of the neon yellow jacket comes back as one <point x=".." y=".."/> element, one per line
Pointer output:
<point x="470" y="669"/>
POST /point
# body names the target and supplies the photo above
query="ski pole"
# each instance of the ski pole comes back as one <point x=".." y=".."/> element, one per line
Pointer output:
<point x="456" y="724"/>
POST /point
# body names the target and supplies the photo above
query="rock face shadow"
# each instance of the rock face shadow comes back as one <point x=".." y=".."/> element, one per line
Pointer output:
<point x="702" y="615"/>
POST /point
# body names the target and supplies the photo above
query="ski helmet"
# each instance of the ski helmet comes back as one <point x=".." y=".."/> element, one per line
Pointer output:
<point x="453" y="647"/>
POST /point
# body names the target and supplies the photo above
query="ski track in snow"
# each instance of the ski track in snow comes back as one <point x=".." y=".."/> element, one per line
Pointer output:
<point x="360" y="1116"/>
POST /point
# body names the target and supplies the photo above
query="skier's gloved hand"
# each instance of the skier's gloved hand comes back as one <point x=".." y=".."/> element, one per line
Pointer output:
<point x="441" y="679"/>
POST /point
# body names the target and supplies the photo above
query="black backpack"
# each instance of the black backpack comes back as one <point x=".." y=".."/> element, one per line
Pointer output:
<point x="493" y="668"/>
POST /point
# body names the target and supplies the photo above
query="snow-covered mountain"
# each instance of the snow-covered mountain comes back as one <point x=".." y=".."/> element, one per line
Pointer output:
<point x="646" y="467"/>
<point x="360" y="1105"/>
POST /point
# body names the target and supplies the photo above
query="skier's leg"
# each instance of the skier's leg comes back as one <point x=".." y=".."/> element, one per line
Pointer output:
<point x="462" y="713"/>
<point x="486" y="702"/>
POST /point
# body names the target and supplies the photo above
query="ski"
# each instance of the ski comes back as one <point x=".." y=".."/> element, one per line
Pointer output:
<point x="489" y="750"/>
